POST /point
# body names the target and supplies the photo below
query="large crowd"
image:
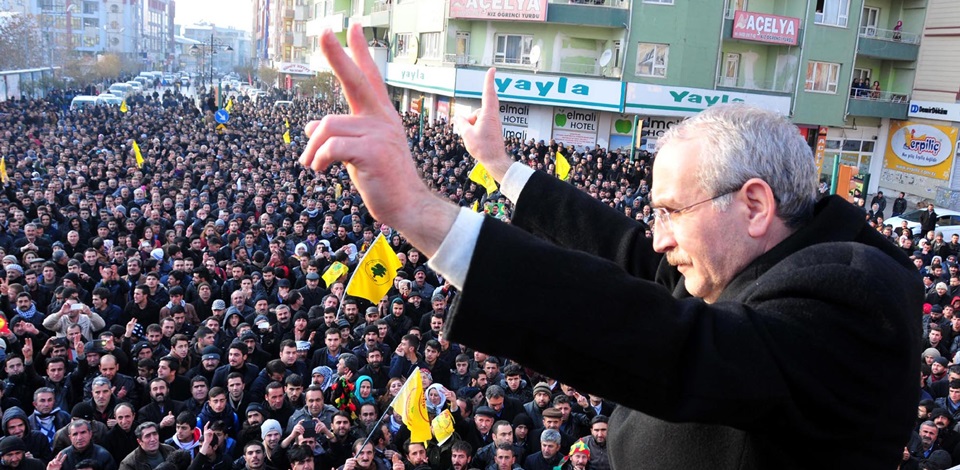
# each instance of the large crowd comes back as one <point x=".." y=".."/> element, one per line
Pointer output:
<point x="174" y="314"/>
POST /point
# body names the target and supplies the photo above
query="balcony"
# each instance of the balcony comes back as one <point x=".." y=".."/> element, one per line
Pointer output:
<point x="886" y="44"/>
<point x="301" y="13"/>
<point x="460" y="60"/>
<point x="763" y="87"/>
<point x="379" y="16"/>
<point x="299" y="39"/>
<point x="600" y="13"/>
<point x="289" y="13"/>
<point x="879" y="104"/>
<point x="335" y="23"/>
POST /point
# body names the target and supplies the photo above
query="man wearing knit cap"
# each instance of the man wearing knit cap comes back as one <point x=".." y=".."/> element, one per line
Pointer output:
<point x="271" y="433"/>
<point x="947" y="436"/>
<point x="12" y="455"/>
<point x="578" y="458"/>
<point x="541" y="401"/>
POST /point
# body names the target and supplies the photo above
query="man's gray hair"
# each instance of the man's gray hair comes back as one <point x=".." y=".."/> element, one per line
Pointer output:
<point x="100" y="381"/>
<point x="740" y="142"/>
<point x="550" y="435"/>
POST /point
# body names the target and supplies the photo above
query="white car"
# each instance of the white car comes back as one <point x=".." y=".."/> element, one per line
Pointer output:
<point x="948" y="221"/>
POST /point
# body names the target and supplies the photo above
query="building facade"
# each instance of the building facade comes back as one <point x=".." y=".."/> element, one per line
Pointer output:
<point x="280" y="38"/>
<point x="140" y="31"/>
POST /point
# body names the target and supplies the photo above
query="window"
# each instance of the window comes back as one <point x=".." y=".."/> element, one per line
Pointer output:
<point x="513" y="49"/>
<point x="822" y="77"/>
<point x="832" y="12"/>
<point x="405" y="45"/>
<point x="430" y="45"/>
<point x="661" y="2"/>
<point x="652" y="59"/>
<point x="91" y="8"/>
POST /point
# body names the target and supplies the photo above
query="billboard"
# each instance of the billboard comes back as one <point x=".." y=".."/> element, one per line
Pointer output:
<point x="499" y="10"/>
<point x="921" y="149"/>
<point x="761" y="27"/>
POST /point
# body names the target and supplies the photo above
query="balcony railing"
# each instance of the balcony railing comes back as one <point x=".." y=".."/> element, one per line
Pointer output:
<point x="887" y="96"/>
<point x="460" y="59"/>
<point x="597" y="3"/>
<point x="382" y="6"/>
<point x="579" y="67"/>
<point x="758" y="85"/>
<point x="889" y="35"/>
<point x="513" y="62"/>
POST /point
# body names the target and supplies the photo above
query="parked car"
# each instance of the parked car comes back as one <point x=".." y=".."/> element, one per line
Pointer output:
<point x="83" y="101"/>
<point x="948" y="221"/>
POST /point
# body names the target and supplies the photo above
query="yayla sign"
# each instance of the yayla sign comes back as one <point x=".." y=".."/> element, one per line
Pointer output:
<point x="770" y="29"/>
<point x="659" y="100"/>
<point x="426" y="79"/>
<point x="544" y="89"/>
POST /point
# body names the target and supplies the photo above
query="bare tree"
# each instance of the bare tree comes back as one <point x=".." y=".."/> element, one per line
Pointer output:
<point x="20" y="42"/>
<point x="268" y="76"/>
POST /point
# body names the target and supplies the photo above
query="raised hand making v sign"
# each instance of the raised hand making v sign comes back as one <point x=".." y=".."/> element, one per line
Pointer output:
<point x="372" y="143"/>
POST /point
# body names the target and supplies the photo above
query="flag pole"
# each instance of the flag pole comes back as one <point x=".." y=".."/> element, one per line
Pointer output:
<point x="384" y="415"/>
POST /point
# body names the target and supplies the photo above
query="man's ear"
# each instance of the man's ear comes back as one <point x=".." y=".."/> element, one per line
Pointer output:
<point x="761" y="206"/>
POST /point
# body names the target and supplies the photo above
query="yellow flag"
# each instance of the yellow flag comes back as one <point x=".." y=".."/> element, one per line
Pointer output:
<point x="286" y="122"/>
<point x="337" y="190"/>
<point x="563" y="166"/>
<point x="123" y="106"/>
<point x="412" y="408"/>
<point x="229" y="105"/>
<point x="476" y="206"/>
<point x="4" y="178"/>
<point x="136" y="151"/>
<point x="374" y="275"/>
<point x="286" y="137"/>
<point x="334" y="272"/>
<point x="442" y="426"/>
<point x="481" y="176"/>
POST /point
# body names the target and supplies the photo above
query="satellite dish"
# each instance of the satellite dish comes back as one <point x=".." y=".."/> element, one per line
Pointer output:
<point x="605" y="57"/>
<point x="535" y="55"/>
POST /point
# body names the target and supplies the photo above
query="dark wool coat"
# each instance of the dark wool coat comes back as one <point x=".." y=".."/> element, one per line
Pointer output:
<point x="811" y="352"/>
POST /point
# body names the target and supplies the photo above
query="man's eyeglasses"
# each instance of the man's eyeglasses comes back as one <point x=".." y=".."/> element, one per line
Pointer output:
<point x="663" y="215"/>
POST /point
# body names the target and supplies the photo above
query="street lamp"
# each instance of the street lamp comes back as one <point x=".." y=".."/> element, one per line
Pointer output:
<point x="210" y="46"/>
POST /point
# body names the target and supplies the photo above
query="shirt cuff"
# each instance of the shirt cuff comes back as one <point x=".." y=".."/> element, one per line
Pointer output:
<point x="452" y="259"/>
<point x="514" y="180"/>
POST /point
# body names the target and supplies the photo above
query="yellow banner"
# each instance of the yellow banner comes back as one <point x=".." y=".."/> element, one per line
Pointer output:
<point x="442" y="426"/>
<point x="412" y="408"/>
<point x="920" y="149"/>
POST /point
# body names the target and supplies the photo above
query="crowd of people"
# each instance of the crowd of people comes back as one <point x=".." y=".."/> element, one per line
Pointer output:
<point x="175" y="314"/>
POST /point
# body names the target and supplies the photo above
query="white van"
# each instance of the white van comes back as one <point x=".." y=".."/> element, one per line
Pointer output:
<point x="137" y="87"/>
<point x="109" y="99"/>
<point x="122" y="90"/>
<point x="83" y="101"/>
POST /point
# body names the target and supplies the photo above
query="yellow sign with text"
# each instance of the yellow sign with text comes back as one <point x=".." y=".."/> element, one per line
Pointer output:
<point x="921" y="149"/>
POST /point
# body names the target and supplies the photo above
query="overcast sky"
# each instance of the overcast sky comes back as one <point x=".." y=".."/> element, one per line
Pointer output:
<point x="235" y="13"/>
